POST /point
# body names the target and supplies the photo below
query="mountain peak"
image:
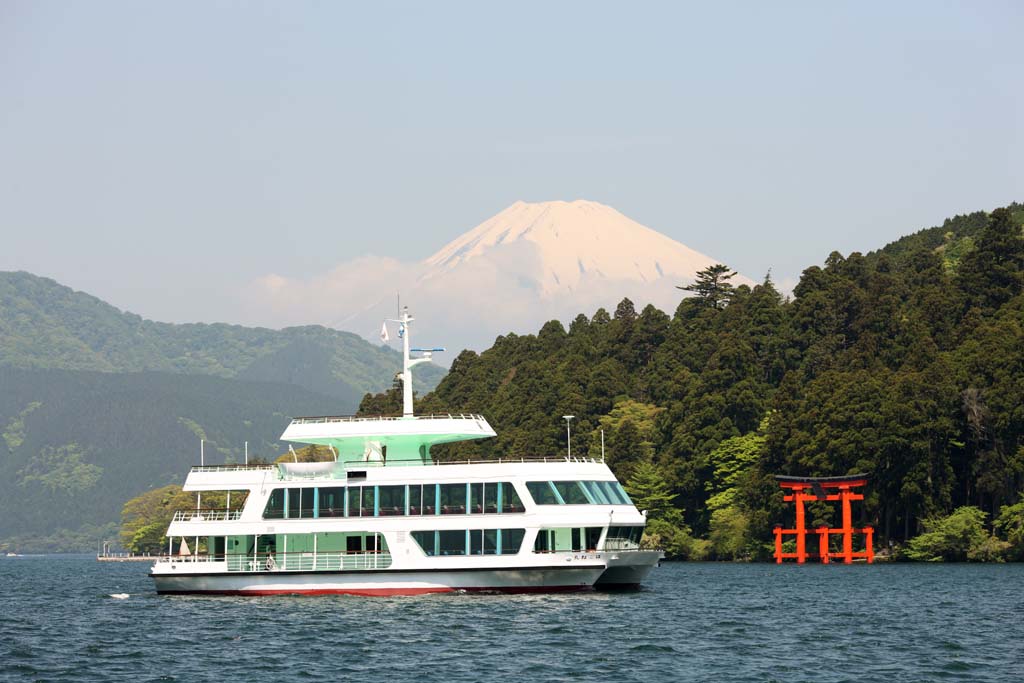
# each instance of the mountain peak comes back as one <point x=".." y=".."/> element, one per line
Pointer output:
<point x="557" y="245"/>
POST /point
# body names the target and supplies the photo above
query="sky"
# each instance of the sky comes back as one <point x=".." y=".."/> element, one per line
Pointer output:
<point x="166" y="156"/>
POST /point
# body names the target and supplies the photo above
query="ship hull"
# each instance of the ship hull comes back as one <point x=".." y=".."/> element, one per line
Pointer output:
<point x="628" y="569"/>
<point x="384" y="583"/>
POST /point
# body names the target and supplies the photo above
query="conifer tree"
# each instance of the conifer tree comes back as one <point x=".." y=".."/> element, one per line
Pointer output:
<point x="649" y="490"/>
<point x="712" y="286"/>
<point x="993" y="273"/>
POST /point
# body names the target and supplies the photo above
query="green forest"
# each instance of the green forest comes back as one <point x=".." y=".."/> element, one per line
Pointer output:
<point x="75" y="445"/>
<point x="906" y="364"/>
<point x="97" y="404"/>
<point x="44" y="324"/>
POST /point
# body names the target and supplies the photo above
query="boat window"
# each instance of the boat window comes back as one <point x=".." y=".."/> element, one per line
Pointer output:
<point x="622" y="493"/>
<point x="275" y="505"/>
<point x="474" y="541"/>
<point x="609" y="492"/>
<point x="359" y="501"/>
<point x="453" y="499"/>
<point x="594" y="493"/>
<point x="332" y="501"/>
<point x="476" y="498"/>
<point x="490" y="541"/>
<point x="512" y="541"/>
<point x="571" y="492"/>
<point x="300" y="503"/>
<point x="430" y="499"/>
<point x="623" y="537"/>
<point x="585" y="538"/>
<point x="542" y="492"/>
<point x="451" y="542"/>
<point x="353" y="501"/>
<point x="392" y="500"/>
<point x="578" y="493"/>
<point x="510" y="501"/>
<point x="491" y="497"/>
<point x="427" y="541"/>
<point x="294" y="497"/>
<point x="574" y="539"/>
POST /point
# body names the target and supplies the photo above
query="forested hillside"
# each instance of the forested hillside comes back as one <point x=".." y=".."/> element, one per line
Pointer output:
<point x="97" y="405"/>
<point x="46" y="325"/>
<point x="76" y="445"/>
<point x="906" y="364"/>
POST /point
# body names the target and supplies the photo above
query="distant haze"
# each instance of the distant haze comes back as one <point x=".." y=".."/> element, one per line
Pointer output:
<point x="530" y="263"/>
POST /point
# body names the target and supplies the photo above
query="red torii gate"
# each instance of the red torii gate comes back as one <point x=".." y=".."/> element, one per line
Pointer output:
<point x="803" y="489"/>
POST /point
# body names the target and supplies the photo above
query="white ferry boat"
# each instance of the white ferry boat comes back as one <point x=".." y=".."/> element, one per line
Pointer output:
<point x="385" y="519"/>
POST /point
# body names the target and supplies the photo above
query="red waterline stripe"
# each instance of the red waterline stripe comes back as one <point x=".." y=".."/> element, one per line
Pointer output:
<point x="385" y="592"/>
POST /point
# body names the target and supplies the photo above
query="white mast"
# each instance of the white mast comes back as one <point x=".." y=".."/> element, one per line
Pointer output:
<point x="408" y="363"/>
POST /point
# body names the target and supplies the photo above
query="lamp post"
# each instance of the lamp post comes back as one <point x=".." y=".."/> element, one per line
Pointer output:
<point x="568" y="435"/>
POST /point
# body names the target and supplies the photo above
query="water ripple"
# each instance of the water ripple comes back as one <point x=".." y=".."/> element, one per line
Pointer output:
<point x="692" y="622"/>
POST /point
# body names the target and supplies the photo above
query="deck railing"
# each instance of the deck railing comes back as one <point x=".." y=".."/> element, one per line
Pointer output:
<point x="291" y="562"/>
<point x="501" y="461"/>
<point x="352" y="418"/>
<point x="391" y="462"/>
<point x="308" y="562"/>
<point x="231" y="468"/>
<point x="207" y="515"/>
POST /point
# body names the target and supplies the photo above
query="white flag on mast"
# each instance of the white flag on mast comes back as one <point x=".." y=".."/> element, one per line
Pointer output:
<point x="384" y="333"/>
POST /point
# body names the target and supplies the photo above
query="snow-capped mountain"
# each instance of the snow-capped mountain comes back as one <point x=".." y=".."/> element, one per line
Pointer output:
<point x="573" y="242"/>
<point x="531" y="263"/>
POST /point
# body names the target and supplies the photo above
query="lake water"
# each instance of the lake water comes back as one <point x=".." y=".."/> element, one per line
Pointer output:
<point x="692" y="622"/>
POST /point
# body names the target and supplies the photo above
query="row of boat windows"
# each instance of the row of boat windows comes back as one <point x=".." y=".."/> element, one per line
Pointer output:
<point x="623" y="537"/>
<point x="346" y="542"/>
<point x="470" y="541"/>
<point x="578" y="493"/>
<point x="385" y="501"/>
<point x="509" y="541"/>
<point x="569" y="538"/>
<point x="577" y="539"/>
